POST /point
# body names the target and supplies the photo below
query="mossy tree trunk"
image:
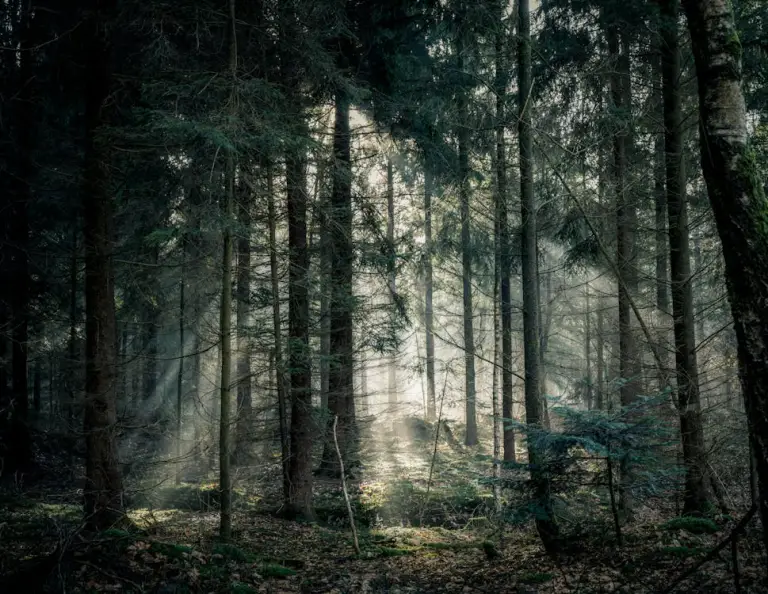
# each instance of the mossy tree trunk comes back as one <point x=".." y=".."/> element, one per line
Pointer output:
<point x="738" y="200"/>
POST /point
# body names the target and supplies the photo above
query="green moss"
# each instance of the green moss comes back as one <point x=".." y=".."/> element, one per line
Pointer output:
<point x="393" y="552"/>
<point x="535" y="577"/>
<point x="273" y="570"/>
<point x="691" y="524"/>
<point x="115" y="533"/>
<point x="449" y="546"/>
<point x="233" y="553"/>
<point x="170" y="550"/>
<point x="241" y="588"/>
<point x="733" y="45"/>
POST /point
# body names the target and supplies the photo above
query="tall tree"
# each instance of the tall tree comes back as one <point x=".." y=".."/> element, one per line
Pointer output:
<point x="545" y="519"/>
<point x="341" y="373"/>
<point x="299" y="503"/>
<point x="626" y="222"/>
<point x="103" y="484"/>
<point x="428" y="294"/>
<point x="462" y="136"/>
<point x="505" y="248"/>
<point x="391" y="280"/>
<point x="244" y="398"/>
<point x="696" y="500"/>
<point x="225" y="320"/>
<point x="739" y="202"/>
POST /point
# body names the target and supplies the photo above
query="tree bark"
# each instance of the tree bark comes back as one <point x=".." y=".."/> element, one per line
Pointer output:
<point x="341" y="373"/>
<point x="739" y="203"/>
<point x="696" y="498"/>
<point x="244" y="436"/>
<point x="428" y="310"/>
<point x="618" y="48"/>
<point x="225" y="320"/>
<point x="391" y="281"/>
<point x="504" y="248"/>
<point x="545" y="520"/>
<point x="103" y="485"/>
<point x="462" y="134"/>
<point x="277" y="333"/>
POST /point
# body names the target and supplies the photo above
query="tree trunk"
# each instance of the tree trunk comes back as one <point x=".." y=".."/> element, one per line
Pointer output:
<point x="36" y="385"/>
<point x="600" y="347"/>
<point x="277" y="332"/>
<point x="587" y="348"/>
<point x="545" y="520"/>
<point x="428" y="311"/>
<point x="180" y="372"/>
<point x="103" y="487"/>
<point x="504" y="247"/>
<point x="696" y="499"/>
<point x="225" y="320"/>
<point x="625" y="219"/>
<point x="462" y="134"/>
<point x="325" y="321"/>
<point x="244" y="437"/>
<point x="391" y="281"/>
<point x="661" y="235"/>
<point x="740" y="206"/>
<point x="72" y="363"/>
<point x="19" y="453"/>
<point x="341" y="373"/>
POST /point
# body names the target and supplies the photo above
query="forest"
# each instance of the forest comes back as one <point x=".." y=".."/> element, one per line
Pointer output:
<point x="384" y="296"/>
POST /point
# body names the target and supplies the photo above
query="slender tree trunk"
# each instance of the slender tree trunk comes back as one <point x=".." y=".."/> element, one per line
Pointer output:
<point x="180" y="373"/>
<point x="36" y="386"/>
<point x="103" y="487"/>
<point x="600" y="347"/>
<point x="696" y="499"/>
<point x="391" y="281"/>
<point x="325" y="321"/>
<point x="244" y="398"/>
<point x="588" y="348"/>
<point x="545" y="520"/>
<point x="72" y="366"/>
<point x="466" y="254"/>
<point x="302" y="428"/>
<point x="428" y="311"/>
<point x="19" y="453"/>
<point x="504" y="247"/>
<point x="661" y="236"/>
<point x="620" y="97"/>
<point x="341" y="373"/>
<point x="739" y="203"/>
<point x="302" y="423"/>
<point x="277" y="333"/>
<point x="225" y="321"/>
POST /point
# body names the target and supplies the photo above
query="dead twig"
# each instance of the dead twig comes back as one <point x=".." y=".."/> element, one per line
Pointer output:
<point x="344" y="488"/>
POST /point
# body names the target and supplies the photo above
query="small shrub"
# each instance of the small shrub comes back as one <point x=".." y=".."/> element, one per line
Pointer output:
<point x="691" y="524"/>
<point x="233" y="553"/>
<point x="170" y="550"/>
<point x="273" y="570"/>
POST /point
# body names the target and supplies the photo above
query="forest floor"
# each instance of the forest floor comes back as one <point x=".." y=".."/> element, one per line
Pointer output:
<point x="416" y="536"/>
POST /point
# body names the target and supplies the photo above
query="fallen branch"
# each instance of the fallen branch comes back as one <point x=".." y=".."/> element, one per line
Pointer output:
<point x="344" y="488"/>
<point x="714" y="552"/>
